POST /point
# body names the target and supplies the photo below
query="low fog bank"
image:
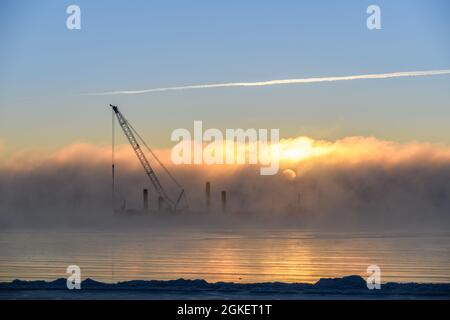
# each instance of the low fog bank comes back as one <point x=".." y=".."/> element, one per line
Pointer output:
<point x="377" y="185"/>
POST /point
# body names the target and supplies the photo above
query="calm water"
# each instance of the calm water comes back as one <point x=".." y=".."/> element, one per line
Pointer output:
<point x="240" y="256"/>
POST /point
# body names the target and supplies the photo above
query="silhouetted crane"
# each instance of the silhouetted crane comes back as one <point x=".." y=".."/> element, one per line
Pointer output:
<point x="131" y="134"/>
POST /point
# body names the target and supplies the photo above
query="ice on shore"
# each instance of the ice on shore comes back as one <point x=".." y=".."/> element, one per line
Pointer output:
<point x="350" y="287"/>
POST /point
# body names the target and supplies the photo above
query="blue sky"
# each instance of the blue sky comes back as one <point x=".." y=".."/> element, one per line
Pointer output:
<point x="45" y="68"/>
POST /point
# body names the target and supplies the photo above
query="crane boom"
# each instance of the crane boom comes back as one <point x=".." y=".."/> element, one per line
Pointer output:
<point x="127" y="130"/>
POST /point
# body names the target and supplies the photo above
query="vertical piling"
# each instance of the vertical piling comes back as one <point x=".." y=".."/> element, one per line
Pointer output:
<point x="224" y="200"/>
<point x="208" y="195"/>
<point x="145" y="194"/>
<point x="160" y="203"/>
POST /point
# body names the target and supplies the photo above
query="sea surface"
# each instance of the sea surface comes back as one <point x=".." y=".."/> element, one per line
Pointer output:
<point x="241" y="256"/>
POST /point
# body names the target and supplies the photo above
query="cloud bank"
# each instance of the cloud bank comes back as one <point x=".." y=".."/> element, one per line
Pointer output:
<point x="282" y="82"/>
<point x="349" y="183"/>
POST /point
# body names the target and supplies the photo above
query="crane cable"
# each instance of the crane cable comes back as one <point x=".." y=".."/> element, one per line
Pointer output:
<point x="183" y="192"/>
<point x="113" y="154"/>
<point x="154" y="156"/>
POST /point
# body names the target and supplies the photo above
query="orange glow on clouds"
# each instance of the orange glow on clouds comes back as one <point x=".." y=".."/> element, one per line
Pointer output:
<point x="297" y="149"/>
<point x="301" y="152"/>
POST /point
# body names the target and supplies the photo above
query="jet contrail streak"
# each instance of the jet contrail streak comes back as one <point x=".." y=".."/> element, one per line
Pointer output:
<point x="281" y="82"/>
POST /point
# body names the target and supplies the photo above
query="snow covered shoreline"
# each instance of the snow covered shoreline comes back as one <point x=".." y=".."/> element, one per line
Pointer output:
<point x="351" y="287"/>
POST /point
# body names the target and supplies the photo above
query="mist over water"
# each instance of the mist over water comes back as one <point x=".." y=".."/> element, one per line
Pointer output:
<point x="354" y="183"/>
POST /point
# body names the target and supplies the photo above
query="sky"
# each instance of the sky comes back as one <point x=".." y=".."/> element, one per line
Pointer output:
<point x="48" y="72"/>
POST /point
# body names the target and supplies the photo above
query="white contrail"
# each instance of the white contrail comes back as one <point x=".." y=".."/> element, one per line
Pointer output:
<point x="287" y="81"/>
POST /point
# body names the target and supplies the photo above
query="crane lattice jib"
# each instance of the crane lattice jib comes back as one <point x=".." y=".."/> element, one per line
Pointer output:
<point x="137" y="149"/>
